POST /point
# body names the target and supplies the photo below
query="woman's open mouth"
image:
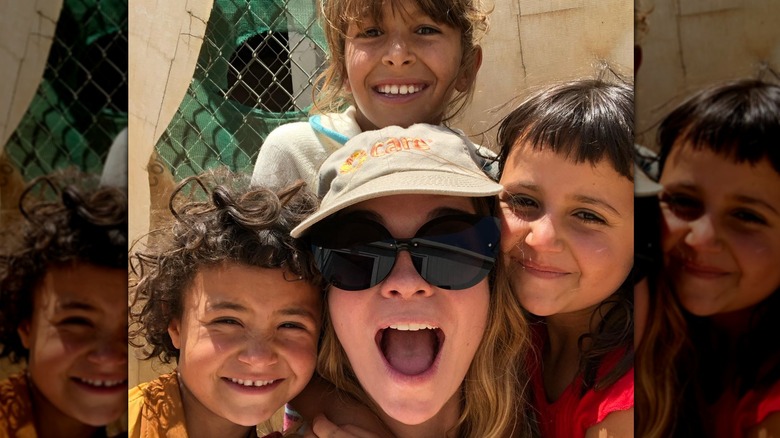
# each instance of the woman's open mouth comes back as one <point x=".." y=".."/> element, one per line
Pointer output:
<point x="410" y="349"/>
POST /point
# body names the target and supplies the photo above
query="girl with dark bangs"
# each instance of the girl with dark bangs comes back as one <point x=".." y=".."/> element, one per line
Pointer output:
<point x="720" y="168"/>
<point x="567" y="242"/>
<point x="63" y="289"/>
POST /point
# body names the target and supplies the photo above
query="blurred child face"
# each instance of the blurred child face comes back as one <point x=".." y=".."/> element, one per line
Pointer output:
<point x="568" y="230"/>
<point x="248" y="341"/>
<point x="77" y="341"/>
<point x="721" y="234"/>
<point x="404" y="69"/>
<point x="409" y="343"/>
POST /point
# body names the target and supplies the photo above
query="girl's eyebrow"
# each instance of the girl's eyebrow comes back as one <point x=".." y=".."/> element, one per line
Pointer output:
<point x="75" y="305"/>
<point x="226" y="305"/>
<point x="597" y="202"/>
<point x="289" y="311"/>
<point x="756" y="201"/>
<point x="296" y="311"/>
<point x="510" y="187"/>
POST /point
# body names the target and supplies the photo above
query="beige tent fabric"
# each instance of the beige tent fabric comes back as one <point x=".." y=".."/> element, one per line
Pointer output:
<point x="26" y="33"/>
<point x="532" y="43"/>
<point x="689" y="44"/>
<point x="164" y="42"/>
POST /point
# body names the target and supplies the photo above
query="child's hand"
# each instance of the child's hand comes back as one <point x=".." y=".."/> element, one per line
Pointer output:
<point x="321" y="427"/>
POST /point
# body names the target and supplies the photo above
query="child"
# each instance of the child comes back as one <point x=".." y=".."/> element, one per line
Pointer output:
<point x="720" y="210"/>
<point x="63" y="289"/>
<point x="406" y="238"/>
<point x="395" y="62"/>
<point x="567" y="237"/>
<point x="235" y="301"/>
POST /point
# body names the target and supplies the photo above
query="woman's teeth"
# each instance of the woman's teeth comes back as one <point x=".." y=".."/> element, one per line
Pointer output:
<point x="412" y="327"/>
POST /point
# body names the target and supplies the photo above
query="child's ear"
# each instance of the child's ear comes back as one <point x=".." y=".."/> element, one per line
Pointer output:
<point x="174" y="331"/>
<point x="469" y="72"/>
<point x="24" y="333"/>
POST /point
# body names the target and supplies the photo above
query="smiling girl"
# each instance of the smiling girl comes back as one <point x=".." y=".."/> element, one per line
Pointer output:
<point x="567" y="215"/>
<point x="236" y="303"/>
<point x="392" y="62"/>
<point x="720" y="169"/>
<point x="63" y="289"/>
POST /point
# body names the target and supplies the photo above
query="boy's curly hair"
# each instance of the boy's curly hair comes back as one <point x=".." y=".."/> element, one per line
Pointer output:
<point x="247" y="226"/>
<point x="84" y="224"/>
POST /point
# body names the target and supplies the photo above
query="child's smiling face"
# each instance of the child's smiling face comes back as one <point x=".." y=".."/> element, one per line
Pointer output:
<point x="247" y="339"/>
<point x="567" y="230"/>
<point x="77" y="341"/>
<point x="404" y="69"/>
<point x="721" y="233"/>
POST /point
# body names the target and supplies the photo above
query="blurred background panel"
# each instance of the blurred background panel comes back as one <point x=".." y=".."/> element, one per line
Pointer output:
<point x="689" y="44"/>
<point x="64" y="81"/>
<point x="63" y="93"/>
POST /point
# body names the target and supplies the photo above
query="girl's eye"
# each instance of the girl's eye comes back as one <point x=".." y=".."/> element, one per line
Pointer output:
<point x="749" y="217"/>
<point x="291" y="325"/>
<point x="521" y="201"/>
<point x="227" y="321"/>
<point x="371" y="32"/>
<point x="683" y="206"/>
<point x="523" y="206"/>
<point x="590" y="217"/>
<point x="427" y="30"/>
<point x="76" y="321"/>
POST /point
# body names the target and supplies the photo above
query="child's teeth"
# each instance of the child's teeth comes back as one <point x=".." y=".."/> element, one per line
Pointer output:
<point x="107" y="383"/>
<point x="399" y="89"/>
<point x="252" y="382"/>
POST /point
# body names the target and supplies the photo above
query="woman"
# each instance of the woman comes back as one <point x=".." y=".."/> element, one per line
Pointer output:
<point x="407" y="241"/>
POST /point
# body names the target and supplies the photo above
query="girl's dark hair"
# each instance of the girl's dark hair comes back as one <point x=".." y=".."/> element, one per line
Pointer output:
<point x="247" y="226"/>
<point x="586" y="121"/>
<point x="82" y="224"/>
<point x="739" y="120"/>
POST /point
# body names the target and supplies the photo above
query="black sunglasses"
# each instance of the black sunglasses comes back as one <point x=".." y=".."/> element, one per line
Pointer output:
<point x="449" y="252"/>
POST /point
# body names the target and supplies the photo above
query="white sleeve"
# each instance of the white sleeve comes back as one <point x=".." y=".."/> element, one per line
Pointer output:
<point x="284" y="156"/>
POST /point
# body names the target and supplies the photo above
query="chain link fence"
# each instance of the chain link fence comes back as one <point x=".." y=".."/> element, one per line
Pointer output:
<point x="81" y="102"/>
<point x="255" y="71"/>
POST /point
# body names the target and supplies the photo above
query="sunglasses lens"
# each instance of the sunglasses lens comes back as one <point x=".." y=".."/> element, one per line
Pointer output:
<point x="456" y="252"/>
<point x="356" y="256"/>
<point x="451" y="252"/>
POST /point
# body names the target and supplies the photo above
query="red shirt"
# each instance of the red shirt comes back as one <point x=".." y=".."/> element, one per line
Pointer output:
<point x="733" y="417"/>
<point x="571" y="415"/>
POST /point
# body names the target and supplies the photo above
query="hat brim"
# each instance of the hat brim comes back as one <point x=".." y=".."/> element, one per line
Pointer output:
<point x="404" y="183"/>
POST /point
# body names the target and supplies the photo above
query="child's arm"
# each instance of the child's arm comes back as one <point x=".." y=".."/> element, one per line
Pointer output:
<point x="321" y="399"/>
<point x="619" y="424"/>
<point x="769" y="428"/>
<point x="322" y="427"/>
